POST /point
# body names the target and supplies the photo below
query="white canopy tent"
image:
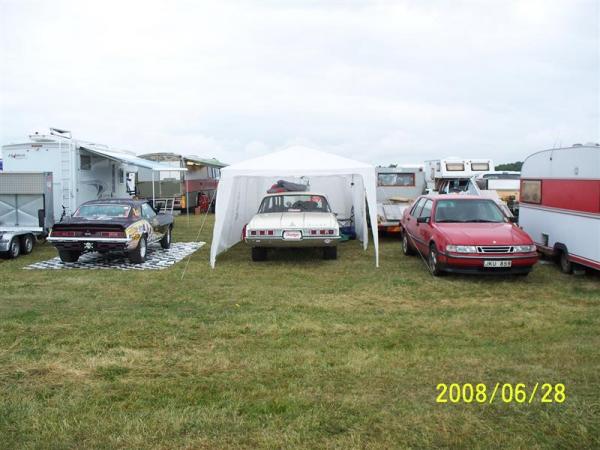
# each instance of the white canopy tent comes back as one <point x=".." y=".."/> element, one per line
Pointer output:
<point x="347" y="184"/>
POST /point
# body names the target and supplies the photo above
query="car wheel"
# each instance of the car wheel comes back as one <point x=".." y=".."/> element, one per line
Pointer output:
<point x="27" y="244"/>
<point x="432" y="259"/>
<point x="329" y="252"/>
<point x="138" y="255"/>
<point x="165" y="242"/>
<point x="259" y="254"/>
<point x="69" y="256"/>
<point x="406" y="247"/>
<point x="566" y="266"/>
<point x="14" y="248"/>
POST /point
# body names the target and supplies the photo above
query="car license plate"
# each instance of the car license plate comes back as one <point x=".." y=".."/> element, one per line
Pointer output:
<point x="292" y="235"/>
<point x="497" y="263"/>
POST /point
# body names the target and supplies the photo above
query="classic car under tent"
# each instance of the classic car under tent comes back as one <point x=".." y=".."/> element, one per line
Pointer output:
<point x="349" y="185"/>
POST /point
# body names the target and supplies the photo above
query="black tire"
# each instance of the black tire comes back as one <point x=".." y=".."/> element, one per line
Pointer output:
<point x="27" y="242"/>
<point x="407" y="248"/>
<point x="14" y="248"/>
<point x="69" y="256"/>
<point x="329" y="252"/>
<point x="259" y="254"/>
<point x="138" y="255"/>
<point x="165" y="242"/>
<point x="566" y="266"/>
<point x="432" y="261"/>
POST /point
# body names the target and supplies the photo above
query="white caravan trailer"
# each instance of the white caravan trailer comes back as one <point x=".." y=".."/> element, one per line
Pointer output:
<point x="81" y="171"/>
<point x="397" y="187"/>
<point x="560" y="203"/>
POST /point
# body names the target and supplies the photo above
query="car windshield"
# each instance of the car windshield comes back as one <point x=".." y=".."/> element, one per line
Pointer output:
<point x="294" y="203"/>
<point x="463" y="210"/>
<point x="102" y="211"/>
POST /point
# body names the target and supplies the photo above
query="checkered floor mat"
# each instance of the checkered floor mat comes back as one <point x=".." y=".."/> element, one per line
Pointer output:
<point x="157" y="259"/>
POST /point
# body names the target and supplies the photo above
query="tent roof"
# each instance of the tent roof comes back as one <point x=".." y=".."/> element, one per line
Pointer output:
<point x="296" y="160"/>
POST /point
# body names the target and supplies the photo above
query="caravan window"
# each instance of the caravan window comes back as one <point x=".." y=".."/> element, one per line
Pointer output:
<point x="85" y="162"/>
<point x="396" y="179"/>
<point x="531" y="191"/>
<point x="480" y="166"/>
<point x="455" y="167"/>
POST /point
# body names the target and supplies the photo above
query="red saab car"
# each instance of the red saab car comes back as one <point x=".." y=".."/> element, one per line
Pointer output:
<point x="466" y="234"/>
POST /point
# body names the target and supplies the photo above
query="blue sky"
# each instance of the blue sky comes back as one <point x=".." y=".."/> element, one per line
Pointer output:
<point x="383" y="82"/>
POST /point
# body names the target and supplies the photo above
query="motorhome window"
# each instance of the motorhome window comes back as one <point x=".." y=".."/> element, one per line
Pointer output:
<point x="121" y="176"/>
<point x="396" y="179"/>
<point x="455" y="167"/>
<point x="480" y="166"/>
<point x="417" y="208"/>
<point x="502" y="176"/>
<point x="85" y="162"/>
<point x="102" y="211"/>
<point x="531" y="191"/>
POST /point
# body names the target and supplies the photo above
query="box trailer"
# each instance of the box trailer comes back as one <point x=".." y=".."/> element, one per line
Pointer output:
<point x="82" y="170"/>
<point x="560" y="204"/>
<point x="190" y="189"/>
<point x="26" y="210"/>
<point x="397" y="187"/>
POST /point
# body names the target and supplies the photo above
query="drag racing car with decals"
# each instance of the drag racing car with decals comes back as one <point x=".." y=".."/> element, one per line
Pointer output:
<point x="106" y="225"/>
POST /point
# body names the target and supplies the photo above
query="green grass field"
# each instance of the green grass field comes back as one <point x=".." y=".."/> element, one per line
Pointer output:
<point x="295" y="352"/>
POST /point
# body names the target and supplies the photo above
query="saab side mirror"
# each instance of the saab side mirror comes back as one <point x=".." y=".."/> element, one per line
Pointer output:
<point x="422" y="219"/>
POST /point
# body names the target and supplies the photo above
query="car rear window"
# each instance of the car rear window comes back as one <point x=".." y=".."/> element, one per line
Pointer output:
<point x="294" y="203"/>
<point x="102" y="211"/>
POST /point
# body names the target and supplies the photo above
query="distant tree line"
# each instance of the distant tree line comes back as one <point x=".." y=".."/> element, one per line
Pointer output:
<point x="516" y="166"/>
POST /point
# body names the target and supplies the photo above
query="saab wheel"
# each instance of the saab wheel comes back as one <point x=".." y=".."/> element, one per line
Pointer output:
<point x="69" y="256"/>
<point x="14" y="248"/>
<point x="165" y="242"/>
<point x="259" y="254"/>
<point x="432" y="260"/>
<point x="27" y="244"/>
<point x="329" y="252"/>
<point x="566" y="266"/>
<point x="406" y="247"/>
<point x="138" y="255"/>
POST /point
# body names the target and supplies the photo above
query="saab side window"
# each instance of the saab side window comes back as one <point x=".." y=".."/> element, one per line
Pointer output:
<point x="426" y="211"/>
<point x="417" y="208"/>
<point x="147" y="211"/>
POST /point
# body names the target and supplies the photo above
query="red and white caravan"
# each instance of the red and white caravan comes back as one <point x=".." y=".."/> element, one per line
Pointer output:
<point x="560" y="203"/>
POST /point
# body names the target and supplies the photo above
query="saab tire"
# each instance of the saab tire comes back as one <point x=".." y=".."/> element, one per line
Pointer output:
<point x="407" y="249"/>
<point x="433" y="262"/>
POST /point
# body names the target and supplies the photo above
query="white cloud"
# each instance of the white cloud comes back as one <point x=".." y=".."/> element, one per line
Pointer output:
<point x="381" y="81"/>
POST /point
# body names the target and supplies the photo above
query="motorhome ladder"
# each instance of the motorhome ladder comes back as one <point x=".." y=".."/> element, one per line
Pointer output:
<point x="66" y="171"/>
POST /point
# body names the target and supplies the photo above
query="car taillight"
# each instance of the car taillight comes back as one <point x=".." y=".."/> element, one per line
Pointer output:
<point x="112" y="234"/>
<point x="63" y="234"/>
<point x="330" y="231"/>
<point x="313" y="232"/>
<point x="253" y="233"/>
<point x="270" y="232"/>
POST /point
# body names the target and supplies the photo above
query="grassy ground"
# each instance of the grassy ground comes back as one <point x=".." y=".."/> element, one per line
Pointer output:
<point x="295" y="352"/>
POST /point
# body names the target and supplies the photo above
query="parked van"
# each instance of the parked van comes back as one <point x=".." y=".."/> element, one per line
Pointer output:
<point x="560" y="204"/>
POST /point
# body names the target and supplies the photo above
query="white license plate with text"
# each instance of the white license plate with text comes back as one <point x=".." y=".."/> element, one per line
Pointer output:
<point x="292" y="235"/>
<point x="497" y="263"/>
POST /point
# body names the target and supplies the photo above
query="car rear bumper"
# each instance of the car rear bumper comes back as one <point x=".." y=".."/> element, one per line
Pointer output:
<point x="304" y="242"/>
<point x="475" y="264"/>
<point x="93" y="245"/>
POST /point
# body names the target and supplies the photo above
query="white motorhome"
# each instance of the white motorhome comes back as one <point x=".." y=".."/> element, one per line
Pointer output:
<point x="454" y="172"/>
<point x="560" y="204"/>
<point x="397" y="187"/>
<point x="82" y="170"/>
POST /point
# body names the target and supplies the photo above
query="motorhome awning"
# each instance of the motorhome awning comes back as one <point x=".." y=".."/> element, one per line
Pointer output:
<point x="133" y="160"/>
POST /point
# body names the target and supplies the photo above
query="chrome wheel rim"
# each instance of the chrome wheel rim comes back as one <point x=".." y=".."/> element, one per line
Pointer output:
<point x="28" y="245"/>
<point x="169" y="236"/>
<point x="14" y="249"/>
<point x="432" y="259"/>
<point x="143" y="248"/>
<point x="404" y="243"/>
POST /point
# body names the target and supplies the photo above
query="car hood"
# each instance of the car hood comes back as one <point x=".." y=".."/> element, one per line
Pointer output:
<point x="293" y="220"/>
<point x="484" y="234"/>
